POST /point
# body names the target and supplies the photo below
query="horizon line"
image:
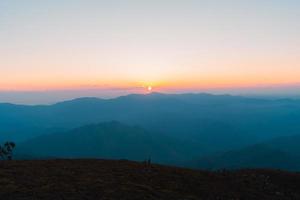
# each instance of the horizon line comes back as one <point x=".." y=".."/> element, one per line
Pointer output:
<point x="291" y="97"/>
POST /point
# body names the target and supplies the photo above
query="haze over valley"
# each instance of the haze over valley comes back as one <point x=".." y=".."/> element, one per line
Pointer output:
<point x="176" y="129"/>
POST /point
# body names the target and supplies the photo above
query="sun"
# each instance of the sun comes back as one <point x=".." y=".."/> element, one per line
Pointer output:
<point x="149" y="88"/>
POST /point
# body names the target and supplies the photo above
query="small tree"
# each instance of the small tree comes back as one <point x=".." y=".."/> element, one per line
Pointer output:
<point x="6" y="150"/>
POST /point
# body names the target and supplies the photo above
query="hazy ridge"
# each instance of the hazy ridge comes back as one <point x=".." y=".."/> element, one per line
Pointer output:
<point x="180" y="129"/>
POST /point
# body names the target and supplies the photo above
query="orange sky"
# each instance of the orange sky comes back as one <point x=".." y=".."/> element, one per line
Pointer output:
<point x="54" y="45"/>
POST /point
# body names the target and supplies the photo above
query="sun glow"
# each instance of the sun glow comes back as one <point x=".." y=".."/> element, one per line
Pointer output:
<point x="149" y="88"/>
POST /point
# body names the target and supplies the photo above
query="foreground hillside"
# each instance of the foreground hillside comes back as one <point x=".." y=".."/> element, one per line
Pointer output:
<point x="105" y="179"/>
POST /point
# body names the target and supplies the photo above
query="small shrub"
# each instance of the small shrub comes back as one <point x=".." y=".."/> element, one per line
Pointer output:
<point x="6" y="150"/>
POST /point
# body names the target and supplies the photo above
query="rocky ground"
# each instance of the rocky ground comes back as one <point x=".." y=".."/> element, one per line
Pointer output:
<point x="126" y="180"/>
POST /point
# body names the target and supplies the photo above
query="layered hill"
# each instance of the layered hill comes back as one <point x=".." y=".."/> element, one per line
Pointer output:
<point x="217" y="123"/>
<point x="280" y="153"/>
<point x="112" y="140"/>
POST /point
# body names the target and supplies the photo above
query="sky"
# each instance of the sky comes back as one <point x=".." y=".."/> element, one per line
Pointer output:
<point x="96" y="47"/>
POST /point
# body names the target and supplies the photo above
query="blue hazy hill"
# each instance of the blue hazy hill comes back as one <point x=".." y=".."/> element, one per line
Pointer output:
<point x="111" y="140"/>
<point x="208" y="123"/>
<point x="280" y="153"/>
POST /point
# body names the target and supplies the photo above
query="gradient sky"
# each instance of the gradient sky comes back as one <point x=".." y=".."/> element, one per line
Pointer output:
<point x="130" y="44"/>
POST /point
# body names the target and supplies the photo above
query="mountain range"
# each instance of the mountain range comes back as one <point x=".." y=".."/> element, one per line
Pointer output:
<point x="193" y="128"/>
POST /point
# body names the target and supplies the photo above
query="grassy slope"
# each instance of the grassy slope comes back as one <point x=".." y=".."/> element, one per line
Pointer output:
<point x="106" y="179"/>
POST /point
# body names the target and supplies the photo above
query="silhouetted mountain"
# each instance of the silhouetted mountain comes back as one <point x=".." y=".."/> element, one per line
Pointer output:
<point x="111" y="140"/>
<point x="280" y="153"/>
<point x="216" y="123"/>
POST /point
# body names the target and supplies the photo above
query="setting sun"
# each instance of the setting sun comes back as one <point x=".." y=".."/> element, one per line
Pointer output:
<point x="111" y="55"/>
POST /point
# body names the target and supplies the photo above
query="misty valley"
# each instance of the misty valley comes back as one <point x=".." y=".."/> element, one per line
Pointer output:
<point x="200" y="131"/>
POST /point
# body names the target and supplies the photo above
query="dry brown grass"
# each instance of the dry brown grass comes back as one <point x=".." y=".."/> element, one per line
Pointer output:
<point x="106" y="179"/>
